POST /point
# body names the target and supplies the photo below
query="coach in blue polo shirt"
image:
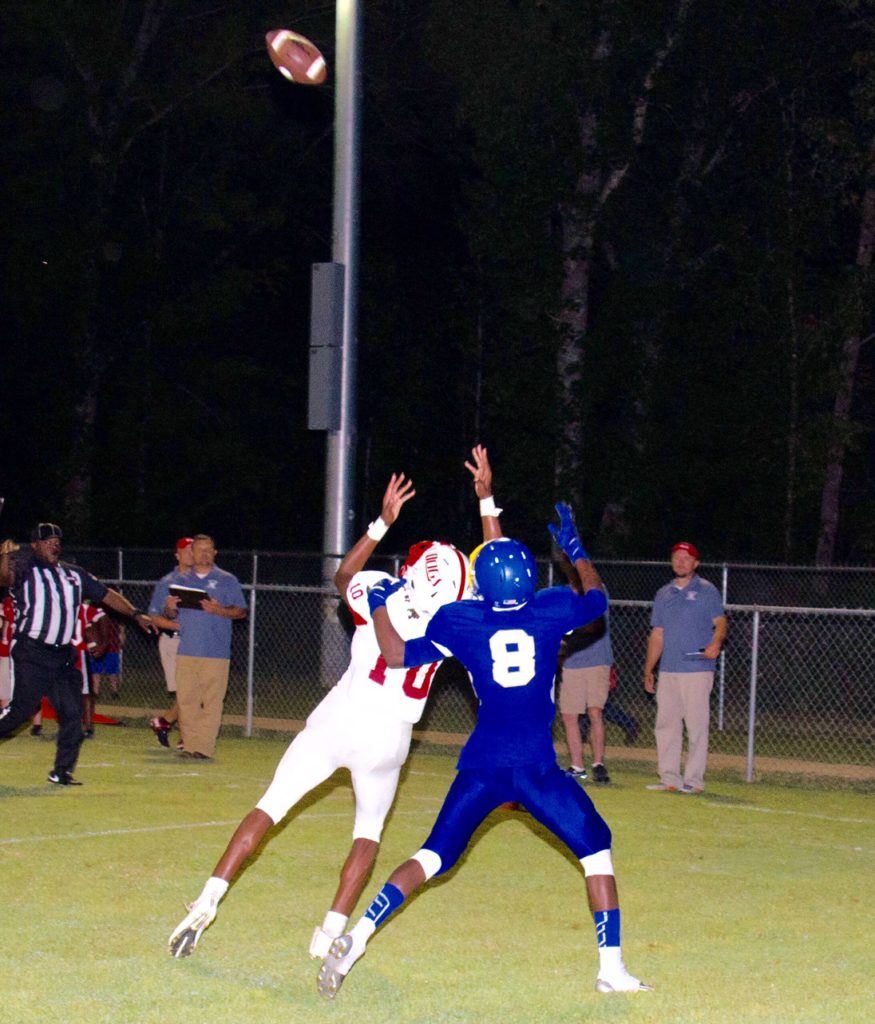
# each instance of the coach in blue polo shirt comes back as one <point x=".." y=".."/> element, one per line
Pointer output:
<point x="688" y="629"/>
<point x="204" y="657"/>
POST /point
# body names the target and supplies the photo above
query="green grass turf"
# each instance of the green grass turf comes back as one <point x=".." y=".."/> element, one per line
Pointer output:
<point x="750" y="904"/>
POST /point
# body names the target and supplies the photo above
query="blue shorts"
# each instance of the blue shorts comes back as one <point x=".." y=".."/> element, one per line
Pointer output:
<point x="554" y="799"/>
<point x="108" y="665"/>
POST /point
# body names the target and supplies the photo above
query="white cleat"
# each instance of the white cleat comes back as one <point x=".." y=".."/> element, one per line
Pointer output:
<point x="620" y="981"/>
<point x="185" y="936"/>
<point x="320" y="944"/>
<point x="342" y="955"/>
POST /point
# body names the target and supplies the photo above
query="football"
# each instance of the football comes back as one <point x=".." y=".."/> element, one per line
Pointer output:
<point x="296" y="57"/>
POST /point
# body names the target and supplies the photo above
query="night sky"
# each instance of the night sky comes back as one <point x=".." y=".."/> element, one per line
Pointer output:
<point x="627" y="246"/>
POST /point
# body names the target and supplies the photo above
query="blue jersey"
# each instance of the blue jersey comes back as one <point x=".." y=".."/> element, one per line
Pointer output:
<point x="511" y="658"/>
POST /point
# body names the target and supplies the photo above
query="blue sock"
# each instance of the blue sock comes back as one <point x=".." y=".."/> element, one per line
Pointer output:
<point x="386" y="902"/>
<point x="607" y="927"/>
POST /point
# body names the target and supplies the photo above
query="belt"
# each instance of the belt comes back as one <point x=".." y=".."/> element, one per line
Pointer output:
<point x="43" y="643"/>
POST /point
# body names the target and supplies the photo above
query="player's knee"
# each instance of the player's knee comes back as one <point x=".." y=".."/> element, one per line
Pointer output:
<point x="276" y="809"/>
<point x="368" y="828"/>
<point x="429" y="861"/>
<point x="598" y="863"/>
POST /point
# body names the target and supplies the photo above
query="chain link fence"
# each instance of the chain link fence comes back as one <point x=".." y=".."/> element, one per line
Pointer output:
<point x="793" y="691"/>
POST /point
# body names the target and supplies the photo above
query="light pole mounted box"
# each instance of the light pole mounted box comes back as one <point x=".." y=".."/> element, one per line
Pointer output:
<point x="326" y="345"/>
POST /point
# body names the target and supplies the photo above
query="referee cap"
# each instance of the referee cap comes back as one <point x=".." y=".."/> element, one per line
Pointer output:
<point x="42" y="531"/>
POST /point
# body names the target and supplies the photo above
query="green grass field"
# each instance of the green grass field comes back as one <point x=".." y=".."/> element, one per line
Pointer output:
<point x="751" y="904"/>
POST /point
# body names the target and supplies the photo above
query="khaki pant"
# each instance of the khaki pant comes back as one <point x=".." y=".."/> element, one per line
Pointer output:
<point x="201" y="684"/>
<point x="5" y="681"/>
<point x="584" y="688"/>
<point x="167" y="648"/>
<point x="683" y="699"/>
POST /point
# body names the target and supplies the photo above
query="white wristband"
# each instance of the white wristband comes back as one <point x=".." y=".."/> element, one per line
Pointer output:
<point x="489" y="508"/>
<point x="377" y="529"/>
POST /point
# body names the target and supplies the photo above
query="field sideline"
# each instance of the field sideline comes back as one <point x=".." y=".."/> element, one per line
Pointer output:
<point x="750" y="904"/>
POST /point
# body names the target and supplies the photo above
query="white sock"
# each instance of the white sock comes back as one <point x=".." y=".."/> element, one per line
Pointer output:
<point x="610" y="960"/>
<point x="334" y="924"/>
<point x="215" y="889"/>
<point x="361" y="932"/>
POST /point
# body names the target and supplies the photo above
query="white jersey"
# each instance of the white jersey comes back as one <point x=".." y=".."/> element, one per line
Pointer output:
<point x="399" y="692"/>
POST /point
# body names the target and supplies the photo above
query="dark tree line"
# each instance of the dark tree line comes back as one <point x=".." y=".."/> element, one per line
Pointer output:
<point x="627" y="245"/>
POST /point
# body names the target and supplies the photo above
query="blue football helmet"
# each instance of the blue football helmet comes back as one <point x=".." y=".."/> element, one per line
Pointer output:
<point x="505" y="573"/>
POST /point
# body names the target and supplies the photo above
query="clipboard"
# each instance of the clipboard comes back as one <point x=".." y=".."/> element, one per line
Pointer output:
<point x="189" y="597"/>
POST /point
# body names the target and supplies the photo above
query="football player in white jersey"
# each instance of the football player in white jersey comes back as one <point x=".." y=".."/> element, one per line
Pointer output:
<point x="366" y="720"/>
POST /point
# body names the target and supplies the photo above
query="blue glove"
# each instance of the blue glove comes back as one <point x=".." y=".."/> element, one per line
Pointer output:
<point x="380" y="593"/>
<point x="565" y="534"/>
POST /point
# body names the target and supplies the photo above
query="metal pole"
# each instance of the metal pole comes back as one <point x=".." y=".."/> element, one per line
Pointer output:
<point x="340" y="443"/>
<point x="752" y="712"/>
<point x="250" y="660"/>
<point x="721" y="686"/>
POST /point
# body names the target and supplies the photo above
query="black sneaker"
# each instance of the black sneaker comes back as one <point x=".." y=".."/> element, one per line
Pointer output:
<point x="161" y="727"/>
<point x="600" y="774"/>
<point x="88" y="734"/>
<point x="576" y="773"/>
<point x="35" y="730"/>
<point x="63" y="778"/>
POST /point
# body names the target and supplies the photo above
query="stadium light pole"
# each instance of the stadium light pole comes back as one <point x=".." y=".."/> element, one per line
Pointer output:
<point x="341" y="443"/>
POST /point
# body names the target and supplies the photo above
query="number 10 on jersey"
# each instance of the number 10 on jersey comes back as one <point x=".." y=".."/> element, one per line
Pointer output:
<point x="417" y="681"/>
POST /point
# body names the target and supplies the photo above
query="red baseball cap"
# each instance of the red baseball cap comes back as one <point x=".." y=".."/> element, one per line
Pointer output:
<point x="685" y="545"/>
<point x="184" y="542"/>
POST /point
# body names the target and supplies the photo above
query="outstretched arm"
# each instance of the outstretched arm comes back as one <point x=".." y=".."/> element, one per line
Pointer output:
<point x="481" y="471"/>
<point x="113" y="599"/>
<point x="390" y="642"/>
<point x="566" y="536"/>
<point x="399" y="491"/>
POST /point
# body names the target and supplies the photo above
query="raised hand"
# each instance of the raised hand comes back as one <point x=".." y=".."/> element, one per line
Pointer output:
<point x="399" y="491"/>
<point x="481" y="471"/>
<point x="381" y="591"/>
<point x="565" y="534"/>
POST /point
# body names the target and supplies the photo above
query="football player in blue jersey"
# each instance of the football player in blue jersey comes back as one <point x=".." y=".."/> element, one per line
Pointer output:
<point x="508" y="639"/>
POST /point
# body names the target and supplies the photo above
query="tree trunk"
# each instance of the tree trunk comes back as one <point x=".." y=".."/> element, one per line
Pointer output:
<point x="580" y="218"/>
<point x="850" y="357"/>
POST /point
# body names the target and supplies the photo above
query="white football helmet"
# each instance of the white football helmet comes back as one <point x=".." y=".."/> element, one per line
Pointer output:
<point x="436" y="574"/>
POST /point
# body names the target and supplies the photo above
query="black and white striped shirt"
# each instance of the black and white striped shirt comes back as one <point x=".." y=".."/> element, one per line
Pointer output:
<point x="47" y="598"/>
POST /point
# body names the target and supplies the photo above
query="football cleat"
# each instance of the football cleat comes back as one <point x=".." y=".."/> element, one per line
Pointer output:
<point x="340" y="960"/>
<point x="600" y="774"/>
<point x="620" y="981"/>
<point x="185" y="936"/>
<point x="161" y="727"/>
<point x="574" y="772"/>
<point x="63" y="778"/>
<point x="320" y="944"/>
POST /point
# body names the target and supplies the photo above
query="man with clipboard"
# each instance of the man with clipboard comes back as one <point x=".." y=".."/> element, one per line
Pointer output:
<point x="205" y="600"/>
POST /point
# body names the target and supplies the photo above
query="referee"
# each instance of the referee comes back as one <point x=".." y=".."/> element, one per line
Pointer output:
<point x="48" y="593"/>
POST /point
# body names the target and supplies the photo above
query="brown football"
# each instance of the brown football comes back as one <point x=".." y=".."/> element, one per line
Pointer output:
<point x="296" y="57"/>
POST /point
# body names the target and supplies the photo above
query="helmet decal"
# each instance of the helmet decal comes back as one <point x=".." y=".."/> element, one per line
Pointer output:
<point x="436" y="574"/>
